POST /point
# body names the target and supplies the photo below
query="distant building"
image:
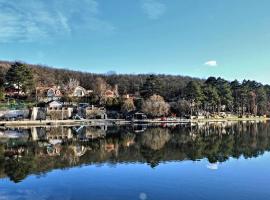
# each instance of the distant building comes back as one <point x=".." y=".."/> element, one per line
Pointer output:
<point x="55" y="104"/>
<point x="136" y="115"/>
<point x="80" y="92"/>
<point x="13" y="91"/>
<point x="128" y="96"/>
<point x="109" y="94"/>
<point x="48" y="93"/>
<point x="92" y="112"/>
<point x="112" y="93"/>
<point x="54" y="93"/>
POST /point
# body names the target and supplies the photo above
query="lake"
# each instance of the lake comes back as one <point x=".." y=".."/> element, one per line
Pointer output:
<point x="190" y="161"/>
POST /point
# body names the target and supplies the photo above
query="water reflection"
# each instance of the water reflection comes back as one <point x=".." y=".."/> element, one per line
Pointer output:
<point x="37" y="150"/>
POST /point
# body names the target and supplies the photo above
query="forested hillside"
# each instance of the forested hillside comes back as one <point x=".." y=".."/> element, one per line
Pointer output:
<point x="156" y="95"/>
<point x="169" y="86"/>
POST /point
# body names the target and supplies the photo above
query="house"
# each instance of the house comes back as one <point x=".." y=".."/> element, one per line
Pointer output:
<point x="109" y="94"/>
<point x="48" y="93"/>
<point x="55" y="104"/>
<point x="79" y="92"/>
<point x="54" y="93"/>
<point x="136" y="115"/>
<point x="13" y="91"/>
<point x="128" y="96"/>
<point x="112" y="93"/>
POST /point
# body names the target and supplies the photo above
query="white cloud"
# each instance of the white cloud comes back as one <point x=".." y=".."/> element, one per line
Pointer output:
<point x="153" y="9"/>
<point x="212" y="166"/>
<point x="211" y="63"/>
<point x="36" y="20"/>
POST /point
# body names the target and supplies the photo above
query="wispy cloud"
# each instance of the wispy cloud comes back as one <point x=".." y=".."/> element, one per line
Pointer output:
<point x="211" y="63"/>
<point x="22" y="21"/>
<point x="41" y="194"/>
<point x="153" y="8"/>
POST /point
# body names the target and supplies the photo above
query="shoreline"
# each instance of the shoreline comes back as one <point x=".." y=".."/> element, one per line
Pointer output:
<point x="99" y="122"/>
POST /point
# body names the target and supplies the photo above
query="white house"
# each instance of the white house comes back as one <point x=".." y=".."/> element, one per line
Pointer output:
<point x="80" y="92"/>
<point x="55" y="104"/>
<point x="53" y="94"/>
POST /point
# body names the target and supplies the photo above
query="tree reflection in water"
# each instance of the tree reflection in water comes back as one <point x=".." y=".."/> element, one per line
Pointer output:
<point x="49" y="148"/>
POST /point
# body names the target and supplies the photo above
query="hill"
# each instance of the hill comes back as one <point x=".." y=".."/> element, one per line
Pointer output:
<point x="171" y="85"/>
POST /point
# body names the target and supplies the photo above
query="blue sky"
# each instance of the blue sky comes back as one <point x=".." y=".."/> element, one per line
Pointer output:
<point x="201" y="38"/>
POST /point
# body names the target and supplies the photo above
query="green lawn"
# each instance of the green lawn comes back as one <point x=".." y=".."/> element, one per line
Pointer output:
<point x="16" y="104"/>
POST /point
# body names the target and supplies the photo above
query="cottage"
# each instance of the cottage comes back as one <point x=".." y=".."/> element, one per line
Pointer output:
<point x="79" y="92"/>
<point x="112" y="93"/>
<point x="109" y="94"/>
<point x="54" y="94"/>
<point x="136" y="115"/>
<point x="127" y="96"/>
<point x="48" y="93"/>
<point x="55" y="104"/>
<point x="13" y="91"/>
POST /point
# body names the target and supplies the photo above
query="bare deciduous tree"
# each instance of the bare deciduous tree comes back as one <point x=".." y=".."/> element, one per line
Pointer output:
<point x="100" y="87"/>
<point x="156" y="106"/>
<point x="128" y="105"/>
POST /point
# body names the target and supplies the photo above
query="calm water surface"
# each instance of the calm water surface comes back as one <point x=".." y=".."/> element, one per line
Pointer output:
<point x="212" y="161"/>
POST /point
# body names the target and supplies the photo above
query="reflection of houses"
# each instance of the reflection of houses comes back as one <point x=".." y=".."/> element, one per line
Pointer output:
<point x="86" y="132"/>
<point x="128" y="140"/>
<point x="139" y="128"/>
<point x="95" y="132"/>
<point x="59" y="133"/>
<point x="13" y="134"/>
<point x="52" y="134"/>
<point x="14" y="151"/>
<point x="112" y="148"/>
<point x="53" y="150"/>
<point x="78" y="150"/>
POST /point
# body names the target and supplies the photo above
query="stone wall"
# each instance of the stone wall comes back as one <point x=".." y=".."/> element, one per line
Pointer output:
<point x="93" y="113"/>
<point x="38" y="113"/>
<point x="59" y="113"/>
